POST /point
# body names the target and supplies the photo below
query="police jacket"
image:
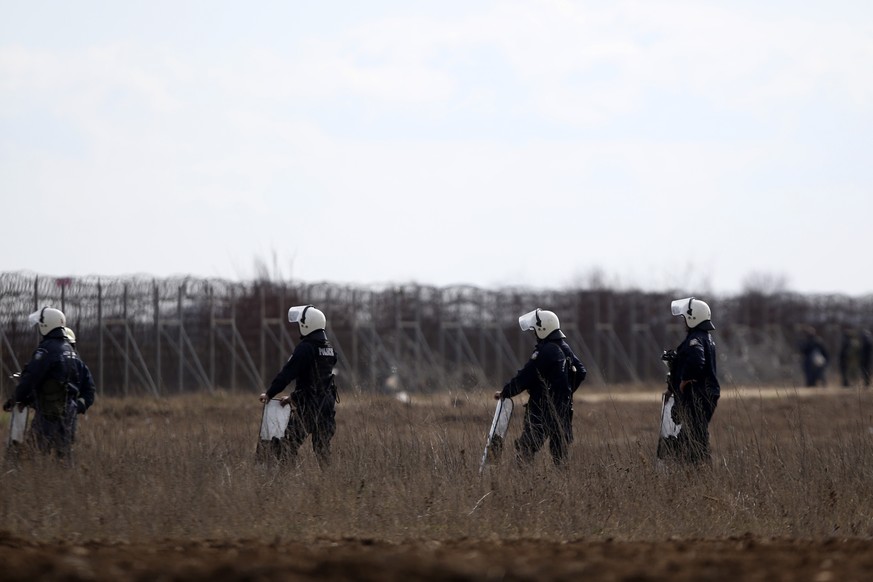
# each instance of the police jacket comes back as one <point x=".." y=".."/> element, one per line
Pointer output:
<point x="311" y="365"/>
<point x="811" y="346"/>
<point x="576" y="371"/>
<point x="87" y="389"/>
<point x="695" y="361"/>
<point x="553" y="370"/>
<point x="54" y="375"/>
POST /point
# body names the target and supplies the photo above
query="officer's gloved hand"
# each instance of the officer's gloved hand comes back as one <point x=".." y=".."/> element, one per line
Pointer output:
<point x="7" y="406"/>
<point x="80" y="406"/>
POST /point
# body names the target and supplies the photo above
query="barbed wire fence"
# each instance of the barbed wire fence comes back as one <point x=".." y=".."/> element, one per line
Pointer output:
<point x="169" y="336"/>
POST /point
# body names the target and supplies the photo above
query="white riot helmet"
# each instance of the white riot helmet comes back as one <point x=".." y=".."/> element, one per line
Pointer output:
<point x="308" y="317"/>
<point x="70" y="335"/>
<point x="697" y="313"/>
<point x="542" y="322"/>
<point x="47" y="318"/>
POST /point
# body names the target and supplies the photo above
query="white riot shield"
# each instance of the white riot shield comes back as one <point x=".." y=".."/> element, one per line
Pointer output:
<point x="17" y="425"/>
<point x="275" y="420"/>
<point x="668" y="427"/>
<point x="669" y="433"/>
<point x="499" y="426"/>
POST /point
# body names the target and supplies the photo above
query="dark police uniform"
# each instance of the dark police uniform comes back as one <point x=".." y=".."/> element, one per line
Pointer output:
<point x="815" y="359"/>
<point x="59" y="385"/>
<point x="314" y="396"/>
<point x="551" y="376"/>
<point x="87" y="391"/>
<point x="695" y="404"/>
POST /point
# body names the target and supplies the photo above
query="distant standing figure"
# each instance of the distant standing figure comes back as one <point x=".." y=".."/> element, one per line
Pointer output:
<point x="693" y="383"/>
<point x="850" y="356"/>
<point x="56" y="382"/>
<point x="815" y="358"/>
<point x="551" y="376"/>
<point x="87" y="389"/>
<point x="866" y="355"/>
<point x="315" y="395"/>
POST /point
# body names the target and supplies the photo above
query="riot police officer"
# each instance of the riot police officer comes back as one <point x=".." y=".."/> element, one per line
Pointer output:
<point x="693" y="383"/>
<point x="315" y="395"/>
<point x="56" y="382"/>
<point x="551" y="376"/>
<point x="87" y="389"/>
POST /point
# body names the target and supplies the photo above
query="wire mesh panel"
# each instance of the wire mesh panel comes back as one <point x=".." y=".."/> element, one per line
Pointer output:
<point x="166" y="336"/>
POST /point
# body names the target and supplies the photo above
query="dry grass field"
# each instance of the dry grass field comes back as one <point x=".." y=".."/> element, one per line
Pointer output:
<point x="169" y="489"/>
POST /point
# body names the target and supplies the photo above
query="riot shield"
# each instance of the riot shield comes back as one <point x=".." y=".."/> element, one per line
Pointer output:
<point x="668" y="437"/>
<point x="499" y="426"/>
<point x="274" y="421"/>
<point x="17" y="425"/>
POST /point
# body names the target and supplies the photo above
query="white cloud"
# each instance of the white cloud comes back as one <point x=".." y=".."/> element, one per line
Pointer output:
<point x="441" y="147"/>
<point x="79" y="84"/>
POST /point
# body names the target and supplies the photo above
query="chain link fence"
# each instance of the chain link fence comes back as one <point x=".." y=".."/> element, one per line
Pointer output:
<point x="167" y="336"/>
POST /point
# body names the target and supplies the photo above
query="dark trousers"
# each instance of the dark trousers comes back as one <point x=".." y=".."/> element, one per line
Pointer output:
<point x="693" y="409"/>
<point x="813" y="374"/>
<point x="55" y="435"/>
<point x="545" y="421"/>
<point x="315" y="419"/>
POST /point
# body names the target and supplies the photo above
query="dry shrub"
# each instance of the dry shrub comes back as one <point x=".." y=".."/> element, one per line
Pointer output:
<point x="184" y="467"/>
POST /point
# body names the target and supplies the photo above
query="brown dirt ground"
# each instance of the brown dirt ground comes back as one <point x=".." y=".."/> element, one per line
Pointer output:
<point x="740" y="558"/>
<point x="743" y="558"/>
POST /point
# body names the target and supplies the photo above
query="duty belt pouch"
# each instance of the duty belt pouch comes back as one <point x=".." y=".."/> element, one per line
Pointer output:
<point x="333" y="389"/>
<point x="51" y="399"/>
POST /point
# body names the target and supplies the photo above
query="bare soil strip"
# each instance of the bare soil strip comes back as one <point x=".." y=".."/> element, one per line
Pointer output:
<point x="362" y="559"/>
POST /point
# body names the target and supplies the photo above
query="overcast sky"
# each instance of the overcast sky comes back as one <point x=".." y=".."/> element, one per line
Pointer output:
<point x="692" y="145"/>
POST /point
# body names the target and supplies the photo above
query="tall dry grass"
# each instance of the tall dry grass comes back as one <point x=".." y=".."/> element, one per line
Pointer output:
<point x="184" y="468"/>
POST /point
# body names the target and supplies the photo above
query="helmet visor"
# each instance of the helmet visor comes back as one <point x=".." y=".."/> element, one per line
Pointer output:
<point x="681" y="306"/>
<point x="529" y="320"/>
<point x="298" y="314"/>
<point x="33" y="318"/>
